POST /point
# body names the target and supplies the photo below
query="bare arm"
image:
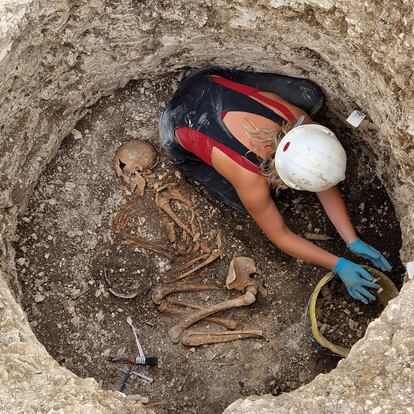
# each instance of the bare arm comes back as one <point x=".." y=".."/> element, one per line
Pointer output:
<point x="335" y="208"/>
<point x="254" y="193"/>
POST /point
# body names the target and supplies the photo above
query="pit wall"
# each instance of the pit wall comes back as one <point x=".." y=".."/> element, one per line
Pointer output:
<point x="57" y="58"/>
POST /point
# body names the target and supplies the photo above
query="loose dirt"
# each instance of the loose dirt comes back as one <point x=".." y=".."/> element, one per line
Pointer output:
<point x="66" y="240"/>
<point x="342" y="320"/>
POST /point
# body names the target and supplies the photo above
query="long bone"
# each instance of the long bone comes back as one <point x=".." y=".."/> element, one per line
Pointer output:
<point x="163" y="202"/>
<point x="193" y="338"/>
<point x="147" y="245"/>
<point x="161" y="291"/>
<point x="168" y="308"/>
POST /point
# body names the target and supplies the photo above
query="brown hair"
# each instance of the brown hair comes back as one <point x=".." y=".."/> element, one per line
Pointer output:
<point x="272" y="136"/>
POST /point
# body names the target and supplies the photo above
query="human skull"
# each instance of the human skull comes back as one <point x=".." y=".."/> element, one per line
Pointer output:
<point x="132" y="158"/>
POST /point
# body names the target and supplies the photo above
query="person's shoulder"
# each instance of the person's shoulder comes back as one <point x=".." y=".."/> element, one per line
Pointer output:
<point x="251" y="179"/>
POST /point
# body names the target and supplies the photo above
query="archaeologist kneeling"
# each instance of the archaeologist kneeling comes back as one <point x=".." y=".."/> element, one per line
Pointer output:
<point x="240" y="133"/>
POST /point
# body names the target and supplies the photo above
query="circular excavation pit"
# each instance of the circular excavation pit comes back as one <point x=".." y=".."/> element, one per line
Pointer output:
<point x="81" y="222"/>
<point x="60" y="196"/>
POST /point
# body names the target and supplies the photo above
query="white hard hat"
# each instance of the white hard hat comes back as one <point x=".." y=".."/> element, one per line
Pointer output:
<point x="310" y="157"/>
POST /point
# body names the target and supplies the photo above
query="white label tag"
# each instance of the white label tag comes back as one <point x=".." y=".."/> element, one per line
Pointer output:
<point x="410" y="270"/>
<point x="356" y="118"/>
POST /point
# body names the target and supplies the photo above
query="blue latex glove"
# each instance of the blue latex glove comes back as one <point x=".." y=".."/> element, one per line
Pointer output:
<point x="368" y="252"/>
<point x="350" y="273"/>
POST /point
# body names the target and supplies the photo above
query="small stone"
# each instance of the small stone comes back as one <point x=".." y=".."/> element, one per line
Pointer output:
<point x="39" y="298"/>
<point x="76" y="134"/>
<point x="26" y="219"/>
<point x="230" y="354"/>
<point x="46" y="255"/>
<point x="75" y="293"/>
<point x="21" y="261"/>
<point x="137" y="397"/>
<point x="75" y="320"/>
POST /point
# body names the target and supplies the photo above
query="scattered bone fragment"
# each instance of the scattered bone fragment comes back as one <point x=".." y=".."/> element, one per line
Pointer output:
<point x="138" y="184"/>
<point x="169" y="308"/>
<point x="204" y="248"/>
<point x="244" y="300"/>
<point x="196" y="247"/>
<point x="131" y="159"/>
<point x="180" y="247"/>
<point x="147" y="245"/>
<point x="169" y="227"/>
<point x="240" y="274"/>
<point x="175" y="193"/>
<point x="211" y="257"/>
<point x="161" y="291"/>
<point x="316" y="236"/>
<point x="193" y="338"/>
<point x="353" y="325"/>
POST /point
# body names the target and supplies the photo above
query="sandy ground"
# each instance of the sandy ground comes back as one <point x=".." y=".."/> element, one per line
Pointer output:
<point x="66" y="239"/>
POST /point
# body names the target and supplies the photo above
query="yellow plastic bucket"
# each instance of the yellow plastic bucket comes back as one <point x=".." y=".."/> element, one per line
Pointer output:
<point x="389" y="292"/>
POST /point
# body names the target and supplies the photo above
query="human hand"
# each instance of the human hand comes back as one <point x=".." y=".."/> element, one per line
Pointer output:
<point x="356" y="279"/>
<point x="366" y="251"/>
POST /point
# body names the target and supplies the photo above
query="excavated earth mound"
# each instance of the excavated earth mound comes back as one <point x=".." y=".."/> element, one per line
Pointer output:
<point x="58" y="58"/>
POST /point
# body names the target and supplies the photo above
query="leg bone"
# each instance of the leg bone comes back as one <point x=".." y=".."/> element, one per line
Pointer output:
<point x="192" y="338"/>
<point x="169" y="309"/>
<point x="161" y="291"/>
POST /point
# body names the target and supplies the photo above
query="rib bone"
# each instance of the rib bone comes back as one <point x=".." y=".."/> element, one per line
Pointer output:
<point x="148" y="245"/>
<point x="192" y="338"/>
<point x="244" y="300"/>
<point x="122" y="217"/>
<point x="169" y="309"/>
<point x="209" y="259"/>
<point x="161" y="291"/>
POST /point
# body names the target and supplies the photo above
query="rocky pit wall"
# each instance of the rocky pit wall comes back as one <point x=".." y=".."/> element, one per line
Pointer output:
<point x="57" y="58"/>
